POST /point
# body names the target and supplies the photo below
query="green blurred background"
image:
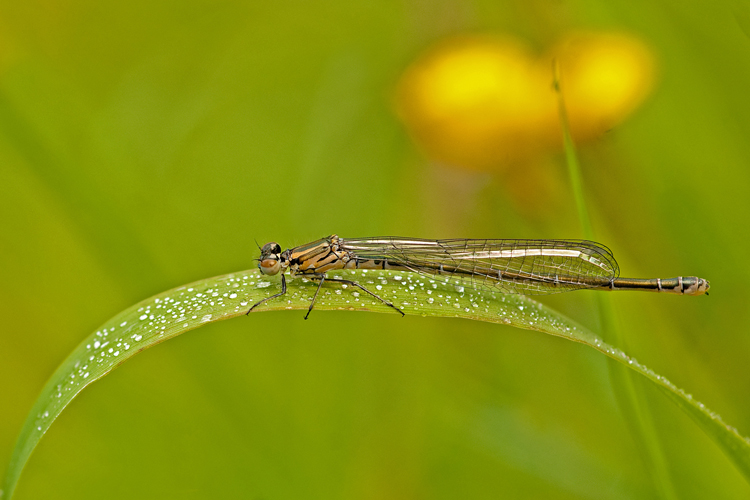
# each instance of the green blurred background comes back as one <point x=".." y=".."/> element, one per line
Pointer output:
<point x="146" y="145"/>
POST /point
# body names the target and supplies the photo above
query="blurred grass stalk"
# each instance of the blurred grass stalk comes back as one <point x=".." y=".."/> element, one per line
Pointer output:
<point x="627" y="391"/>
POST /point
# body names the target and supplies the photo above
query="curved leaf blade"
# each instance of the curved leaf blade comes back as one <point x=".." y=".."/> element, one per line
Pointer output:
<point x="188" y="307"/>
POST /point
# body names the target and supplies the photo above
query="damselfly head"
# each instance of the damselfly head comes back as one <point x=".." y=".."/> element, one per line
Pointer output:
<point x="270" y="255"/>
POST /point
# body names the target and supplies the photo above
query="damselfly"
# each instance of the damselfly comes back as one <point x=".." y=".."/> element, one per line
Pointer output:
<point x="528" y="267"/>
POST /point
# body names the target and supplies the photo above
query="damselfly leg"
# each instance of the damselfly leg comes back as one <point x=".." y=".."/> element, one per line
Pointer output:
<point x="321" y="278"/>
<point x="352" y="283"/>
<point x="282" y="292"/>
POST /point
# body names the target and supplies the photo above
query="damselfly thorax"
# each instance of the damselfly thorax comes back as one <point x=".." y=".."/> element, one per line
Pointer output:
<point x="529" y="267"/>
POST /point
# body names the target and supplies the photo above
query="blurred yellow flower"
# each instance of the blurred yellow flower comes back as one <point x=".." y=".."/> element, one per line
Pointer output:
<point x="486" y="102"/>
<point x="605" y="77"/>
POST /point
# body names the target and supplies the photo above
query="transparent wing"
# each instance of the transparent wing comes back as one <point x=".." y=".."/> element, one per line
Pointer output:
<point x="529" y="267"/>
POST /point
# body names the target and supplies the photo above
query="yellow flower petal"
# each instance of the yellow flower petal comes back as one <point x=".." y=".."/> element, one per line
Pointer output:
<point x="605" y="76"/>
<point x="473" y="101"/>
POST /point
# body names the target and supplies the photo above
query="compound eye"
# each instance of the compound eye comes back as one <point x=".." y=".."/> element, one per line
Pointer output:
<point x="269" y="266"/>
<point x="270" y="248"/>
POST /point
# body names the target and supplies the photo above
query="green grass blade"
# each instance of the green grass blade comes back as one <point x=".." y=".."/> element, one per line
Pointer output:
<point x="188" y="307"/>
